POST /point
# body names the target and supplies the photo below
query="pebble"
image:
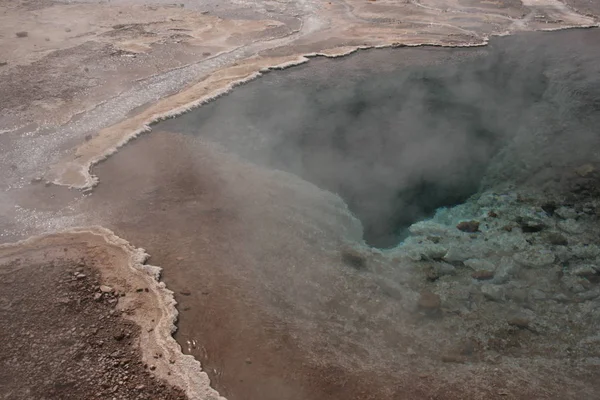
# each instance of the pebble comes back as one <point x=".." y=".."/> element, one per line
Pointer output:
<point x="586" y="271"/>
<point x="105" y="289"/>
<point x="506" y="268"/>
<point x="530" y="225"/>
<point x="456" y="254"/>
<point x="571" y="226"/>
<point x="537" y="294"/>
<point x="478" y="264"/>
<point x="556" y="239"/>
<point x="519" y="322"/>
<point x="482" y="275"/>
<point x="535" y="257"/>
<point x="429" y="301"/>
<point x="566" y="213"/>
<point x="493" y="292"/>
<point x="468" y="226"/>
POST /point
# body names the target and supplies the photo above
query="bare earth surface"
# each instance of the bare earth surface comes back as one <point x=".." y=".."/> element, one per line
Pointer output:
<point x="67" y="341"/>
<point x="279" y="297"/>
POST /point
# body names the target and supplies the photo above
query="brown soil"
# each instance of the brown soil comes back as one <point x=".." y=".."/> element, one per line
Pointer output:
<point x="63" y="338"/>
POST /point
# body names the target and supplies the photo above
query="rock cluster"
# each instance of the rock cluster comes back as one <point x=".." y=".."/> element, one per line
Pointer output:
<point x="512" y="261"/>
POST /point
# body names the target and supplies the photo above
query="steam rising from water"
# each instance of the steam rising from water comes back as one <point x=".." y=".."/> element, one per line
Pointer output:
<point x="396" y="145"/>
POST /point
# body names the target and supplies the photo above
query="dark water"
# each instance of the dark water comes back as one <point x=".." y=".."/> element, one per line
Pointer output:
<point x="399" y="133"/>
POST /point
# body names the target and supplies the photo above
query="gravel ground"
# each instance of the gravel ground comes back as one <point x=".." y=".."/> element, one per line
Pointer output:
<point x="63" y="339"/>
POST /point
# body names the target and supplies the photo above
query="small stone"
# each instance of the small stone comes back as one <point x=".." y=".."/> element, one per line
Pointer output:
<point x="519" y="322"/>
<point x="573" y="284"/>
<point x="98" y="296"/>
<point x="429" y="301"/>
<point x="561" y="298"/>
<point x="152" y="367"/>
<point x="3" y="63"/>
<point x="248" y="360"/>
<point x="570" y="226"/>
<point x="22" y="34"/>
<point x="468" y="226"/>
<point x="586" y="271"/>
<point x="493" y="292"/>
<point x="585" y="170"/>
<point x="556" y="239"/>
<point x="456" y="254"/>
<point x="589" y="295"/>
<point x="535" y="257"/>
<point x="119" y="336"/>
<point x="185" y="292"/>
<point x="506" y="268"/>
<point x="483" y="275"/>
<point x="530" y="225"/>
<point x="67" y="30"/>
<point x="566" y="213"/>
<point x="80" y="276"/>
<point x="354" y="258"/>
<point x="492" y="214"/>
<point x="206" y="53"/>
<point x="479" y="264"/>
<point x="537" y="294"/>
<point x="180" y="258"/>
<point x="106" y="289"/>
<point x="139" y="290"/>
<point x="140" y="387"/>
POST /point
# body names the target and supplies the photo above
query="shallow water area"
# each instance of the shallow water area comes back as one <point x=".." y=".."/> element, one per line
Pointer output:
<point x="249" y="202"/>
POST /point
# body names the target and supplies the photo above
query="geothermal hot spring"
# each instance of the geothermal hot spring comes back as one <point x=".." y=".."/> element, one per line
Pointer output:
<point x="309" y="219"/>
<point x="399" y="140"/>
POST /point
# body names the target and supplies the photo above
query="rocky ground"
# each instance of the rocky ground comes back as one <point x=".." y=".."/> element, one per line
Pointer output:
<point x="64" y="338"/>
<point x="520" y="268"/>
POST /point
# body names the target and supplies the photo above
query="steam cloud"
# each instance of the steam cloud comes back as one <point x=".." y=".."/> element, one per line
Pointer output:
<point x="398" y="144"/>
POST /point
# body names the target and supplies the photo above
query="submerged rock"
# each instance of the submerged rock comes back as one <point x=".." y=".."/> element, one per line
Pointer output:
<point x="536" y="257"/>
<point x="530" y="225"/>
<point x="468" y="226"/>
<point x="505" y="270"/>
<point x="571" y="226"/>
<point x="493" y="292"/>
<point x="483" y="275"/>
<point x="556" y="239"/>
